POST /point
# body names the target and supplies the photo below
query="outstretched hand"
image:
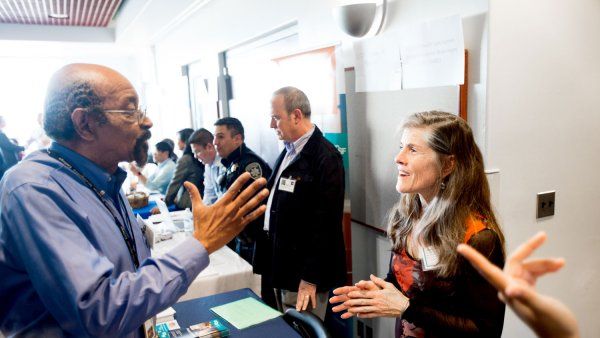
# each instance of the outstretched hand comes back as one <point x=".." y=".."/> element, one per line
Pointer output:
<point x="516" y="285"/>
<point x="216" y="225"/>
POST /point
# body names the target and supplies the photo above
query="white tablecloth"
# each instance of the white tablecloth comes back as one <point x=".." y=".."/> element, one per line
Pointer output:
<point x="227" y="271"/>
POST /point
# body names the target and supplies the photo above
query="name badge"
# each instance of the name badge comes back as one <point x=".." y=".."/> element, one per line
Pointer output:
<point x="287" y="184"/>
<point x="429" y="258"/>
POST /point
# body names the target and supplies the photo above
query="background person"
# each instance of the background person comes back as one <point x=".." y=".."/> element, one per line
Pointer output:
<point x="201" y="142"/>
<point x="159" y="180"/>
<point x="74" y="262"/>
<point x="548" y="317"/>
<point x="444" y="201"/>
<point x="304" y="256"/>
<point x="187" y="169"/>
<point x="9" y="150"/>
<point x="237" y="159"/>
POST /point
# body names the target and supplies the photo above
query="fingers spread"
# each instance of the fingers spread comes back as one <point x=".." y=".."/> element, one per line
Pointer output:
<point x="539" y="267"/>
<point x="236" y="187"/>
<point x="194" y="194"/>
<point x="253" y="215"/>
<point x="250" y="205"/>
<point x="525" y="249"/>
<point x="240" y="197"/>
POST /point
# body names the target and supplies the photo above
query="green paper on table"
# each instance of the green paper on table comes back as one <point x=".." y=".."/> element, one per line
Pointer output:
<point x="245" y="312"/>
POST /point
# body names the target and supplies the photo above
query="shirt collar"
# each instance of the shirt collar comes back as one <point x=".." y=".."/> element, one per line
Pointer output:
<point x="93" y="172"/>
<point x="237" y="153"/>
<point x="296" y="146"/>
<point x="164" y="163"/>
<point x="216" y="162"/>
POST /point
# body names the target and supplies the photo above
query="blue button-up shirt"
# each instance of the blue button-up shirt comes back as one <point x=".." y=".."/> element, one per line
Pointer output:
<point x="65" y="267"/>
<point x="160" y="179"/>
<point x="212" y="174"/>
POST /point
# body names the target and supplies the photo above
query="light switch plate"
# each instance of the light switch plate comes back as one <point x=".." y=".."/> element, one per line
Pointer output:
<point x="545" y="204"/>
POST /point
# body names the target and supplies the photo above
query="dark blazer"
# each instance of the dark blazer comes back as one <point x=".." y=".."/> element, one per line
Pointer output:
<point x="188" y="169"/>
<point x="305" y="227"/>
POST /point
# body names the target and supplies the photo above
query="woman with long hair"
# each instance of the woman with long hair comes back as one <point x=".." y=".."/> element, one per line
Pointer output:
<point x="444" y="201"/>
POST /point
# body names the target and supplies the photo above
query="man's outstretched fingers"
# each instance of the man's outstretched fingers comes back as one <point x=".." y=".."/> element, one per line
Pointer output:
<point x="253" y="203"/>
<point x="235" y="188"/>
<point x="194" y="193"/>
<point x="250" y="191"/>
<point x="253" y="215"/>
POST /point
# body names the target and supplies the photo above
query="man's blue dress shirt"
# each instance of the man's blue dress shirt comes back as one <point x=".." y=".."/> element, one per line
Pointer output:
<point x="65" y="267"/>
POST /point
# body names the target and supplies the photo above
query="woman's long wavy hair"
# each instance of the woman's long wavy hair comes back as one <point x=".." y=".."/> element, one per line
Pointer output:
<point x="442" y="224"/>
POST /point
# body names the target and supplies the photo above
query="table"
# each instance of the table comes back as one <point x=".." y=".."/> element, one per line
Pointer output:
<point x="198" y="310"/>
<point x="227" y="271"/>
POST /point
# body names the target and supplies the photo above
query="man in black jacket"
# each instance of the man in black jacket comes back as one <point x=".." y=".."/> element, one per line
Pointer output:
<point x="237" y="158"/>
<point x="304" y="254"/>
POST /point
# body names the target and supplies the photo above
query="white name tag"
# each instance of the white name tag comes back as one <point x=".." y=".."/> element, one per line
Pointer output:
<point x="429" y="258"/>
<point x="287" y="184"/>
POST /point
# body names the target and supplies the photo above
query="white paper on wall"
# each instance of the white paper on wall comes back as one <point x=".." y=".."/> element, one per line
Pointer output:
<point x="377" y="65"/>
<point x="432" y="53"/>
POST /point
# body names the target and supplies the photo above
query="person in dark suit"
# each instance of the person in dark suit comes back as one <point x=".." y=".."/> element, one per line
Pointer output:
<point x="9" y="151"/>
<point x="303" y="253"/>
<point x="237" y="158"/>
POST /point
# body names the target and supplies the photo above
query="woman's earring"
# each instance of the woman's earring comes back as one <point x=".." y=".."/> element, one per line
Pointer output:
<point x="443" y="186"/>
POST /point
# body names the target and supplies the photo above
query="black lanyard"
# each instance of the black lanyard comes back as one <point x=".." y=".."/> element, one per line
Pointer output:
<point x="130" y="241"/>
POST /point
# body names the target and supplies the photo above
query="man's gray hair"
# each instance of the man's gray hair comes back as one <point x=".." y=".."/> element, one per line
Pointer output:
<point x="294" y="98"/>
<point x="60" y="104"/>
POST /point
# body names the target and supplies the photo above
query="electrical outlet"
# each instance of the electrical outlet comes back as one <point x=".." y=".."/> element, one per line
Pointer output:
<point x="545" y="204"/>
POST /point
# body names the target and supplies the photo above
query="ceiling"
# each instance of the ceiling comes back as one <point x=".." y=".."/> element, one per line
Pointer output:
<point x="91" y="13"/>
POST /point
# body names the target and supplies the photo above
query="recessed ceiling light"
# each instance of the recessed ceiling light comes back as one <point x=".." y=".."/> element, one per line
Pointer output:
<point x="58" y="16"/>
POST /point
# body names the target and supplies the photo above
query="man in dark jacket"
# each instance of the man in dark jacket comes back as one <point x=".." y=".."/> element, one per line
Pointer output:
<point x="9" y="151"/>
<point x="237" y="158"/>
<point x="304" y="253"/>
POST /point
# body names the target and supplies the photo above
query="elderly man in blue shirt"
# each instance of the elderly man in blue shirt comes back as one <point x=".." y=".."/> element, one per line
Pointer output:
<point x="73" y="259"/>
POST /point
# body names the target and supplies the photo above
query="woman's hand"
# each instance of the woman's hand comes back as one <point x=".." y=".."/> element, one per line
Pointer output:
<point x="516" y="285"/>
<point x="341" y="296"/>
<point x="369" y="299"/>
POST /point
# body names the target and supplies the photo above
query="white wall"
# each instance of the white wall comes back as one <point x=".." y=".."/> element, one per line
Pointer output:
<point x="544" y="118"/>
<point x="26" y="68"/>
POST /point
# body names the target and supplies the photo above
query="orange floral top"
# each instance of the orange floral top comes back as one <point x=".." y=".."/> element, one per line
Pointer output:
<point x="464" y="305"/>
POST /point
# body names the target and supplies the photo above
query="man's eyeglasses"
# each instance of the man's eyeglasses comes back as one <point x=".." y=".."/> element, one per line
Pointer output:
<point x="140" y="114"/>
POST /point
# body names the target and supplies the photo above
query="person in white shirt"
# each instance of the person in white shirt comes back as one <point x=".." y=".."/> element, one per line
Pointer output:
<point x="159" y="180"/>
<point x="204" y="150"/>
